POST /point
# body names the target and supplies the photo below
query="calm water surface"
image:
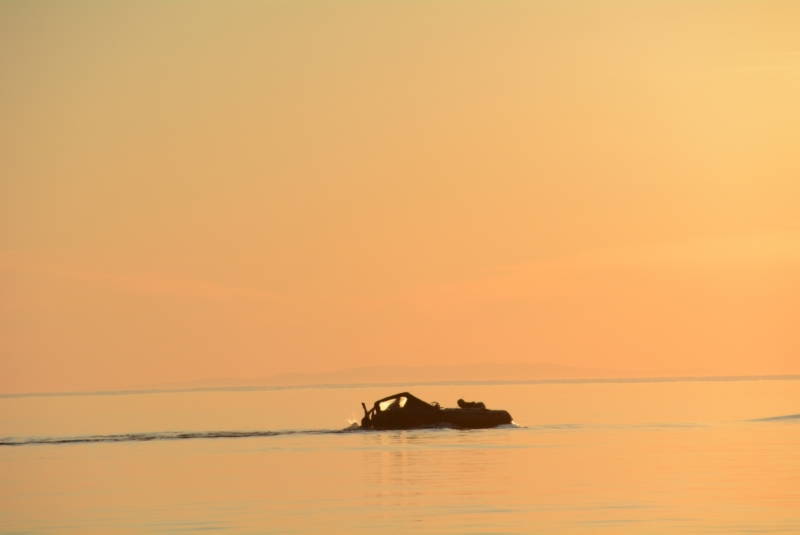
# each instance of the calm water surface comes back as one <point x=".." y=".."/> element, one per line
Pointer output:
<point x="690" y="457"/>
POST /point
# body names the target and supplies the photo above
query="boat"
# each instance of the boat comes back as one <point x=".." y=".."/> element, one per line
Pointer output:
<point x="406" y="411"/>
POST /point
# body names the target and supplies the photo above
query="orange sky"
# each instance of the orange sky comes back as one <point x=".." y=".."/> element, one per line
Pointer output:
<point x="196" y="190"/>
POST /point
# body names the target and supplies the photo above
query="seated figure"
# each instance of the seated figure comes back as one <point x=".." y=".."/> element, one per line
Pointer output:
<point x="471" y="404"/>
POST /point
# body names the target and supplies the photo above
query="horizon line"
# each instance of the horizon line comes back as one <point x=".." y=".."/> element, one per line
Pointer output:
<point x="267" y="388"/>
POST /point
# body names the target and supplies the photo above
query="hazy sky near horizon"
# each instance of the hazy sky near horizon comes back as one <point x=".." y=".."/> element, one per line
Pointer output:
<point x="201" y="190"/>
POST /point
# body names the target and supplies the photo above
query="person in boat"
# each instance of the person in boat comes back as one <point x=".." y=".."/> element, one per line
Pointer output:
<point x="471" y="404"/>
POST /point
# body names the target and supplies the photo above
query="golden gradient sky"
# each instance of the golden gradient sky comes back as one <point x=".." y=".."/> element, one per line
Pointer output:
<point x="195" y="191"/>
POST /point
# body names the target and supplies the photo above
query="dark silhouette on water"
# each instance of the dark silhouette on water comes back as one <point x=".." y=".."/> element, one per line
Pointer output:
<point x="405" y="411"/>
<point x="471" y="404"/>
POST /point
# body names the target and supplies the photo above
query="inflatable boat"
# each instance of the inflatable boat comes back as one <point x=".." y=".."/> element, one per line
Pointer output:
<point x="405" y="411"/>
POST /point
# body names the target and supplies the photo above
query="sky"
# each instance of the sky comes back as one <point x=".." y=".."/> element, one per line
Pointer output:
<point x="225" y="191"/>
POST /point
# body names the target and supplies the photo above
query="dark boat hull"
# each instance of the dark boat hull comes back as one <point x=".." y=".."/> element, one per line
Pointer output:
<point x="456" y="418"/>
<point x="475" y="418"/>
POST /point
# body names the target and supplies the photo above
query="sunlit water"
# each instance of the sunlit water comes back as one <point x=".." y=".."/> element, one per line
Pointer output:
<point x="691" y="457"/>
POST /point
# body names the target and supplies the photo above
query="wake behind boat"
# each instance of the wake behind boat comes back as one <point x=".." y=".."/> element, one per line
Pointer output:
<point x="405" y="411"/>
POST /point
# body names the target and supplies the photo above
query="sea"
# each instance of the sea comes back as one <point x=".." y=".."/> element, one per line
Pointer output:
<point x="680" y="455"/>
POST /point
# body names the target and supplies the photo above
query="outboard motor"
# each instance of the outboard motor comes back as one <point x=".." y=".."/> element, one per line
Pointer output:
<point x="365" y="419"/>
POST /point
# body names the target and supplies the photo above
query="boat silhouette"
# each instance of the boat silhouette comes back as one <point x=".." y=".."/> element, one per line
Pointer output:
<point x="406" y="411"/>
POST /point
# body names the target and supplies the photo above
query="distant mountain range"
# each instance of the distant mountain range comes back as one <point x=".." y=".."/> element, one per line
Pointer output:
<point x="411" y="375"/>
<point x="467" y="372"/>
<point x="436" y="373"/>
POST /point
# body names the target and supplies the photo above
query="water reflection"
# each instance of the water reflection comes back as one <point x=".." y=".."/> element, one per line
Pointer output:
<point x="434" y="474"/>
